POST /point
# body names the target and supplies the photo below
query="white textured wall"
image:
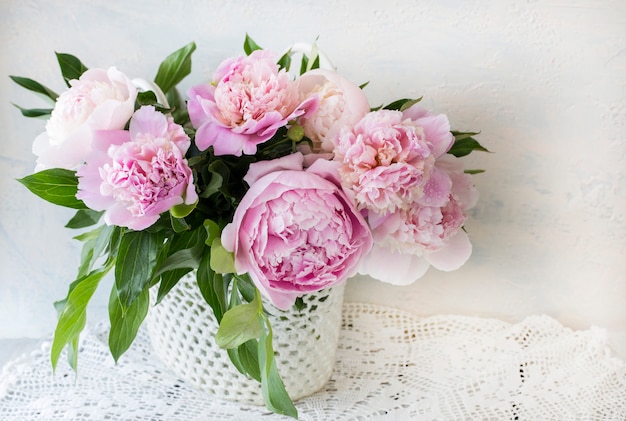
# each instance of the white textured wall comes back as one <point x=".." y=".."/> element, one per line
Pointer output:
<point x="545" y="81"/>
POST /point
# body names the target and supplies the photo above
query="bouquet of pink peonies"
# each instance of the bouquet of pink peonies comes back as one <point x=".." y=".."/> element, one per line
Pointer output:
<point x="266" y="185"/>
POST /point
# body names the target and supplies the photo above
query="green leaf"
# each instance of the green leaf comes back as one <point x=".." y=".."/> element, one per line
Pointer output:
<point x="96" y="242"/>
<point x="213" y="286"/>
<point x="213" y="231"/>
<point x="239" y="325"/>
<point x="304" y="64"/>
<point x="185" y="253"/>
<point x="246" y="287"/>
<point x="402" y="104"/>
<point x="182" y="210"/>
<point x="285" y="61"/>
<point x="34" y="112"/>
<point x="147" y="98"/>
<point x="73" y="317"/>
<point x="464" y="146"/>
<point x="178" y="106"/>
<point x="71" y="67"/>
<point x="125" y="323"/>
<point x="138" y="253"/>
<point x="245" y="358"/>
<point x="474" y="171"/>
<point x="274" y="393"/>
<point x="174" y="68"/>
<point x="222" y="260"/>
<point x="36" y="87"/>
<point x="84" y="218"/>
<point x="462" y="135"/>
<point x="72" y="354"/>
<point x="249" y="45"/>
<point x="55" y="185"/>
<point x="214" y="185"/>
<point x="179" y="224"/>
<point x="410" y="103"/>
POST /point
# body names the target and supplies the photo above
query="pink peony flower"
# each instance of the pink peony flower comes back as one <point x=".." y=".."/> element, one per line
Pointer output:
<point x="342" y="104"/>
<point x="388" y="157"/>
<point x="136" y="175"/>
<point x="295" y="231"/>
<point x="385" y="160"/>
<point x="248" y="100"/>
<point x="99" y="100"/>
<point x="424" y="235"/>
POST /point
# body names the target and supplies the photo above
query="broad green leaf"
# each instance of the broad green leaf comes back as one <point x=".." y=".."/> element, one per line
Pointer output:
<point x="178" y="106"/>
<point x="213" y="286"/>
<point x="246" y="287"/>
<point x="213" y="231"/>
<point x="285" y="61"/>
<point x="84" y="218"/>
<point x="71" y="67"/>
<point x="184" y="254"/>
<point x="55" y="185"/>
<point x="174" y="68"/>
<point x="410" y="103"/>
<point x="304" y="64"/>
<point x="72" y="354"/>
<point x="245" y="358"/>
<point x="465" y="146"/>
<point x="147" y="98"/>
<point x="133" y="272"/>
<point x="272" y="386"/>
<point x="72" y="317"/>
<point x="169" y="280"/>
<point x="36" y="87"/>
<point x="96" y="242"/>
<point x="34" y="112"/>
<point x="402" y="104"/>
<point x="249" y="45"/>
<point x="126" y="322"/>
<point x="213" y="186"/>
<point x="179" y="224"/>
<point x="222" y="260"/>
<point x="462" y="135"/>
<point x="182" y="210"/>
<point x="239" y="325"/>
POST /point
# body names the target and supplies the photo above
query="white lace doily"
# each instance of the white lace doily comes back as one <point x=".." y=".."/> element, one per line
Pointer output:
<point x="391" y="365"/>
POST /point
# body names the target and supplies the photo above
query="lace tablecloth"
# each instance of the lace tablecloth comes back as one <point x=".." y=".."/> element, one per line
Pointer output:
<point x="390" y="365"/>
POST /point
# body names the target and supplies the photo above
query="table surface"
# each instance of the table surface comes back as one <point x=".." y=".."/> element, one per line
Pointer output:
<point x="390" y="365"/>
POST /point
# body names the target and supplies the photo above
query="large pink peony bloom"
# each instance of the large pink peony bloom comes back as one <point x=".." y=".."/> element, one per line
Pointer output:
<point x="295" y="231"/>
<point x="248" y="100"/>
<point x="99" y="100"/>
<point x="388" y="155"/>
<point x="424" y="235"/>
<point x="342" y="104"/>
<point x="136" y="175"/>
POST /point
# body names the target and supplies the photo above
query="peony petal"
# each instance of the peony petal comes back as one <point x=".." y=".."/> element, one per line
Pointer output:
<point x="437" y="189"/>
<point x="147" y="120"/>
<point x="456" y="252"/>
<point x="223" y="140"/>
<point x="415" y="112"/>
<point x="261" y="168"/>
<point x="393" y="268"/>
<point x="437" y="132"/>
<point x="326" y="169"/>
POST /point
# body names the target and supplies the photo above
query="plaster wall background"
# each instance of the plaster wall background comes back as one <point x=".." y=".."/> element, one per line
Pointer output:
<point x="544" y="81"/>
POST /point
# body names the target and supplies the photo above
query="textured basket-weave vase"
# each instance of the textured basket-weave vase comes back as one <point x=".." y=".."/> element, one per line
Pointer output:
<point x="182" y="330"/>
